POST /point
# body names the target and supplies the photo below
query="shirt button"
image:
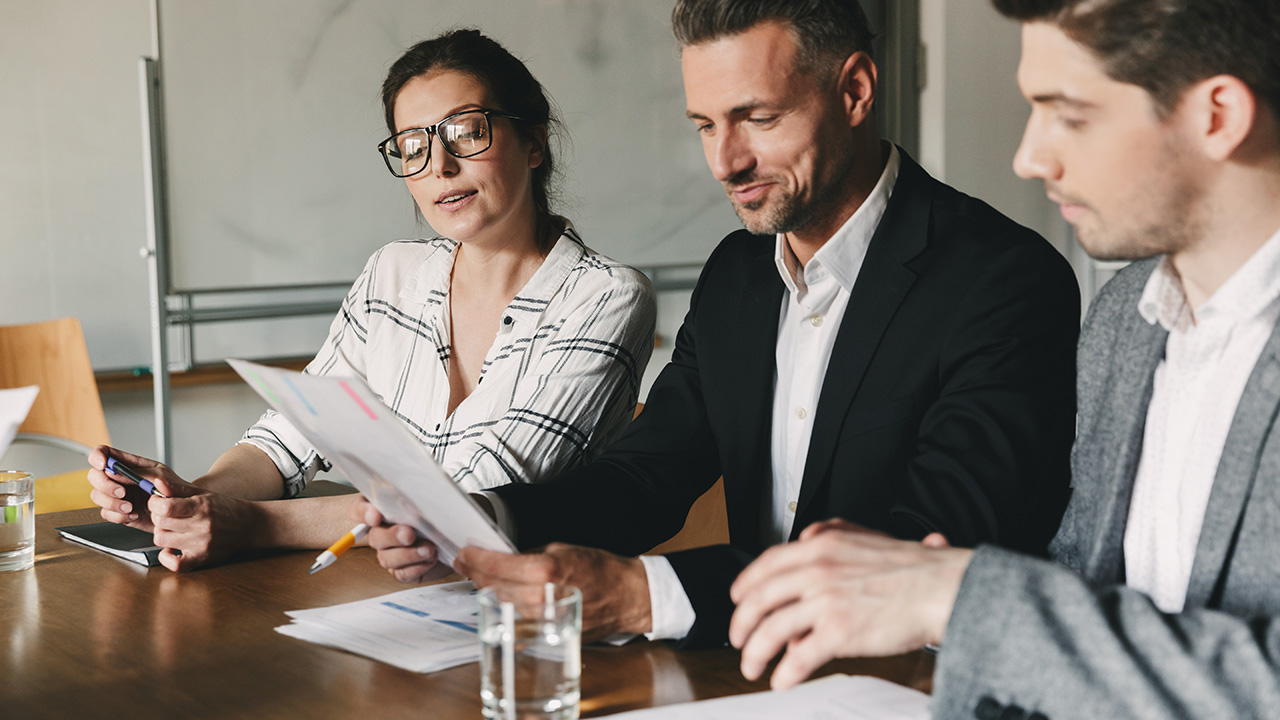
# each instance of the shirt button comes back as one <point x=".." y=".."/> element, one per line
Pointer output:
<point x="801" y="414"/>
<point x="815" y="320"/>
<point x="792" y="506"/>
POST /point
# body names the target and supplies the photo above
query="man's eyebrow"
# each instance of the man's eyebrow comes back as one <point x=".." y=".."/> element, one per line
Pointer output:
<point x="736" y="110"/>
<point x="1060" y="99"/>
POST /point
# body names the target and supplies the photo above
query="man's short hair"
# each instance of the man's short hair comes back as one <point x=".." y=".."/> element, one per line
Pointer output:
<point x="827" y="32"/>
<point x="1166" y="46"/>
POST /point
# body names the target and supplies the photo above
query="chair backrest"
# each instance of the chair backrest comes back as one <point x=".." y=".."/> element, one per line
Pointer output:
<point x="53" y="355"/>
<point x="706" y="524"/>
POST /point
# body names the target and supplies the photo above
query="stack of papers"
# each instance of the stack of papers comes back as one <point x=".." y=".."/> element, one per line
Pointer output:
<point x="835" y="696"/>
<point x="424" y="629"/>
<point x="14" y="406"/>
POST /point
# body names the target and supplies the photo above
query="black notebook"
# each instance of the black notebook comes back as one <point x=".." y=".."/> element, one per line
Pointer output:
<point x="119" y="540"/>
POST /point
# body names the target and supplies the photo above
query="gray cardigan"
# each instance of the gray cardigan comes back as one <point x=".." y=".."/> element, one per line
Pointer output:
<point x="1033" y="639"/>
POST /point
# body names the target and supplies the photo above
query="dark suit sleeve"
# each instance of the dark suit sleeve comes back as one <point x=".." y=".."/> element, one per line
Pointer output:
<point x="1027" y="632"/>
<point x="639" y="492"/>
<point x="992" y="458"/>
<point x="707" y="573"/>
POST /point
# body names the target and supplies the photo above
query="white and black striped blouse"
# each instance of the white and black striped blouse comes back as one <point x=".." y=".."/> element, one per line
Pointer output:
<point x="558" y="385"/>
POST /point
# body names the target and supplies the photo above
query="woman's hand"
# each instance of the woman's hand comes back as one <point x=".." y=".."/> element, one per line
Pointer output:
<point x="409" y="558"/>
<point x="193" y="525"/>
<point x="121" y="501"/>
<point x="197" y="527"/>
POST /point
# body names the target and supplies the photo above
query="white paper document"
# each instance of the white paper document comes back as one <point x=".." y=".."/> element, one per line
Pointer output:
<point x="364" y="439"/>
<point x="836" y="697"/>
<point x="14" y="406"/>
<point x="423" y="630"/>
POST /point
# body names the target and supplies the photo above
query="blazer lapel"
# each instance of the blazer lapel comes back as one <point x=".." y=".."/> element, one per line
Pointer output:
<point x="883" y="282"/>
<point x="756" y="338"/>
<point x="1237" y="473"/>
<point x="1125" y="419"/>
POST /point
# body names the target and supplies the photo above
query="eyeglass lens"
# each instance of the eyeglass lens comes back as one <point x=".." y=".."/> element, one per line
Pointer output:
<point x="462" y="136"/>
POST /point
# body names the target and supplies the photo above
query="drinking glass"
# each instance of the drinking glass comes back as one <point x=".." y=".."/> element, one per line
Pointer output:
<point x="17" y="520"/>
<point x="530" y="651"/>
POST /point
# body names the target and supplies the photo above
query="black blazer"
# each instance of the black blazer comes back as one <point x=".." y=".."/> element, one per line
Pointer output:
<point x="948" y="402"/>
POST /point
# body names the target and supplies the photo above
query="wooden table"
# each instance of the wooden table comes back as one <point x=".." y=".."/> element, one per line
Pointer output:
<point x="86" y="635"/>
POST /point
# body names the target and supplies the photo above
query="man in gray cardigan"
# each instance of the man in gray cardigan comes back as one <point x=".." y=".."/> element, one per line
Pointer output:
<point x="1155" y="125"/>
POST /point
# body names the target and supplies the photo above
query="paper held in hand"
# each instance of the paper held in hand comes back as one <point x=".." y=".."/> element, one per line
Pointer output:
<point x="15" y="403"/>
<point x="364" y="439"/>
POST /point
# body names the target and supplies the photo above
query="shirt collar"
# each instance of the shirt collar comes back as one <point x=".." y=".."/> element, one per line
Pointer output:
<point x="1253" y="287"/>
<point x="552" y="274"/>
<point x="433" y="277"/>
<point x="1163" y="300"/>
<point x="843" y="253"/>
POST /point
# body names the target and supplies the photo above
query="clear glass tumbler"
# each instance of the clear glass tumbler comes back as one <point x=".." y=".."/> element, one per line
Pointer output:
<point x="530" y="652"/>
<point x="17" y="520"/>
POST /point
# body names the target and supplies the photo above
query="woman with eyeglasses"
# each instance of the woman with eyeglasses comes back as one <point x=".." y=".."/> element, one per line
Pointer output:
<point x="506" y="345"/>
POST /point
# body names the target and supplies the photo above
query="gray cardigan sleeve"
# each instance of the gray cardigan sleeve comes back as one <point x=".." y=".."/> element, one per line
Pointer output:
<point x="1032" y="634"/>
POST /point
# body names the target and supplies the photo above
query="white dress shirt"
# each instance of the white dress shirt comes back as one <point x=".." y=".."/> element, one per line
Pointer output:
<point x="812" y="310"/>
<point x="1208" y="359"/>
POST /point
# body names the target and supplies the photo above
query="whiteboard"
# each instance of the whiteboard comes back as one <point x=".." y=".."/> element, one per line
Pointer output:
<point x="273" y="116"/>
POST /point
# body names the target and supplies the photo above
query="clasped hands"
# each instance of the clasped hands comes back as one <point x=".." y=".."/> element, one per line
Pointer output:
<point x="192" y="525"/>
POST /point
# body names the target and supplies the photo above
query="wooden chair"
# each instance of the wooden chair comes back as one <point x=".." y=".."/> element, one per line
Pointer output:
<point x="67" y="414"/>
<point x="706" y="524"/>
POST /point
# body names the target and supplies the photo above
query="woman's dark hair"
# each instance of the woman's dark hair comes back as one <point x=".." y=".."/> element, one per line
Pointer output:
<point x="512" y="86"/>
<point x="1166" y="46"/>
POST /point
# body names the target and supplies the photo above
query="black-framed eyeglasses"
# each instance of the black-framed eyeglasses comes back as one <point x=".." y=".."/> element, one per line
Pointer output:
<point x="462" y="135"/>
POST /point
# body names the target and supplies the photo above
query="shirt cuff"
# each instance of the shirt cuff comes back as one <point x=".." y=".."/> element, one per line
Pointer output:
<point x="669" y="606"/>
<point x="501" y="515"/>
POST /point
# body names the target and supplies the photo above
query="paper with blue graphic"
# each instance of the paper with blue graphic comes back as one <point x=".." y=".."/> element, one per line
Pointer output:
<point x="423" y="630"/>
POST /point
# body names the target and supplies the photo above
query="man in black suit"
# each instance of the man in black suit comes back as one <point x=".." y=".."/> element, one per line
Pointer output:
<point x="876" y="346"/>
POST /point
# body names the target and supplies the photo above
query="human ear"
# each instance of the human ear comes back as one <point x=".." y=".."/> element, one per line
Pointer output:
<point x="537" y="145"/>
<point x="1224" y="114"/>
<point x="857" y="79"/>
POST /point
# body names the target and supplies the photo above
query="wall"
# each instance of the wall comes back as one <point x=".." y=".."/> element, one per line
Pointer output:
<point x="71" y="212"/>
<point x="972" y="115"/>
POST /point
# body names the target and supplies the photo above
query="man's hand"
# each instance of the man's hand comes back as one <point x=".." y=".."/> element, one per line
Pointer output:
<point x="615" y="590"/>
<point x="401" y="552"/>
<point x="842" y="592"/>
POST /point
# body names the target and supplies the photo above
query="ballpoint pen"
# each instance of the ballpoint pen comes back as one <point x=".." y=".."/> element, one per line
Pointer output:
<point x="335" y="550"/>
<point x="115" y="467"/>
